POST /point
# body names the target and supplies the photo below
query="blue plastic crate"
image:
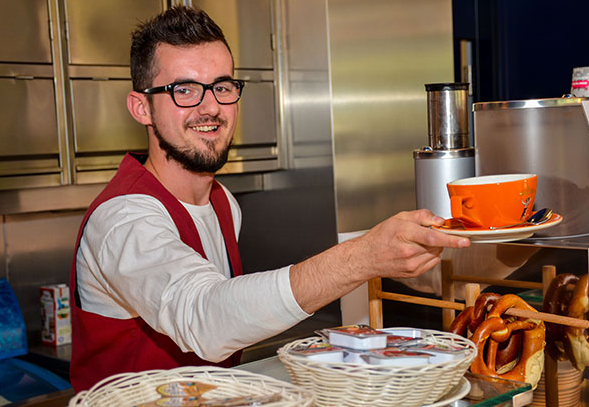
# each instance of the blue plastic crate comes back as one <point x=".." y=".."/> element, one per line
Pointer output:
<point x="20" y="380"/>
<point x="13" y="334"/>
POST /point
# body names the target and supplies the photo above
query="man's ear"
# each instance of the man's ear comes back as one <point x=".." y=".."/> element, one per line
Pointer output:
<point x="139" y="107"/>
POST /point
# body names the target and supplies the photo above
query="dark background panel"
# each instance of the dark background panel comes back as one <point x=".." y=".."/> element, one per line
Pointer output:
<point x="523" y="49"/>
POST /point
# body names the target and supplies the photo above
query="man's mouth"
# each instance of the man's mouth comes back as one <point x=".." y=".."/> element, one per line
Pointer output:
<point x="205" y="128"/>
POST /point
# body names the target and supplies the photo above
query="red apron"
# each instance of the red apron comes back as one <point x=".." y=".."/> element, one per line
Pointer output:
<point x="103" y="346"/>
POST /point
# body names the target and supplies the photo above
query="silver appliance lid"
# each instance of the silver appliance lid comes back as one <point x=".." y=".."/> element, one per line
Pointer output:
<point x="527" y="104"/>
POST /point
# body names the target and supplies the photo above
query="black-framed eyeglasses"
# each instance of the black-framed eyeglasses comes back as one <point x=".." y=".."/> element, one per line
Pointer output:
<point x="191" y="93"/>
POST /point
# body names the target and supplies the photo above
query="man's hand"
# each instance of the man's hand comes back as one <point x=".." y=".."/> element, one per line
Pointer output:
<point x="401" y="246"/>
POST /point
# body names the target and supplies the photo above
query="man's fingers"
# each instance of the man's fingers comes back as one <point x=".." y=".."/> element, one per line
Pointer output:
<point x="419" y="265"/>
<point x="432" y="238"/>
<point x="422" y="217"/>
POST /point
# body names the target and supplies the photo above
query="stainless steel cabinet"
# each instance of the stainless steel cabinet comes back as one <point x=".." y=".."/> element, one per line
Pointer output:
<point x="256" y="123"/>
<point x="247" y="25"/>
<point x="28" y="123"/>
<point x="31" y="147"/>
<point x="24" y="31"/>
<point x="99" y="32"/>
<point x="101" y="120"/>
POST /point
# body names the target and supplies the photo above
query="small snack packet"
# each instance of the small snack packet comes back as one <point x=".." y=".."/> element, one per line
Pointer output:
<point x="354" y="356"/>
<point x="322" y="352"/>
<point x="439" y="354"/>
<point x="357" y="337"/>
<point x="402" y="341"/>
<point x="324" y="333"/>
<point x="184" y="388"/>
<point x="404" y="331"/>
<point x="179" y="402"/>
<point x="396" y="357"/>
<point x="173" y="402"/>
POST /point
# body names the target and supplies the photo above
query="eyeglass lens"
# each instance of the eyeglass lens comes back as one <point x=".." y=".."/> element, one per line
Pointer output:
<point x="189" y="94"/>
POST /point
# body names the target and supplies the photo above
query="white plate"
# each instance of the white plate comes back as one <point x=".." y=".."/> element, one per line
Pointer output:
<point x="500" y="235"/>
<point x="458" y="392"/>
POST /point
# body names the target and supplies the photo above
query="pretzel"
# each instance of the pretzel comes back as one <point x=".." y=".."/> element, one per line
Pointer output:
<point x="531" y="361"/>
<point x="472" y="316"/>
<point x="511" y="336"/>
<point x="481" y="308"/>
<point x="507" y="352"/>
<point x="575" y="339"/>
<point x="460" y="324"/>
<point x="556" y="301"/>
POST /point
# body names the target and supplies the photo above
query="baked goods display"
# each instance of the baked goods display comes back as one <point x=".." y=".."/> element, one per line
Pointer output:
<point x="568" y="342"/>
<point x="513" y="347"/>
<point x="508" y="347"/>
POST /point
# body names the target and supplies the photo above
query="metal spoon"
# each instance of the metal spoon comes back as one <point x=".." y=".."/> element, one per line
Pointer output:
<point x="536" y="218"/>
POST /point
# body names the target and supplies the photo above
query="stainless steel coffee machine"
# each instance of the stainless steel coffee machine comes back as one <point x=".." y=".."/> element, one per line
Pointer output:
<point x="449" y="155"/>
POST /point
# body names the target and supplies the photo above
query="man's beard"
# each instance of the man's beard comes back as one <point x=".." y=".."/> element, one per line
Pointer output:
<point x="194" y="160"/>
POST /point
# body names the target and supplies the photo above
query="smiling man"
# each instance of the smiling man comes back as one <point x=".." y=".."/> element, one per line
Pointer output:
<point x="157" y="280"/>
<point x="191" y="118"/>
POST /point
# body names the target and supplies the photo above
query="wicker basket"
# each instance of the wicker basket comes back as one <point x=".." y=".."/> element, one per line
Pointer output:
<point x="130" y="389"/>
<point x="347" y="384"/>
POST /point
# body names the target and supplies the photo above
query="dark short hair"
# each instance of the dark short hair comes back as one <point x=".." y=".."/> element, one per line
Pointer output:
<point x="180" y="26"/>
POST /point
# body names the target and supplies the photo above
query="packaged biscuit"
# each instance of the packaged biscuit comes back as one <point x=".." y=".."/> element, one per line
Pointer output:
<point x="183" y="388"/>
<point x="173" y="402"/>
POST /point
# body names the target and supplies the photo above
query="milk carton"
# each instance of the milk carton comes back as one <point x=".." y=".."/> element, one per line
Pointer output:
<point x="55" y="314"/>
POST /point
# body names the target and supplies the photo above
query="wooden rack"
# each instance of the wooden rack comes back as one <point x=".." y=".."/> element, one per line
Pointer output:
<point x="472" y="291"/>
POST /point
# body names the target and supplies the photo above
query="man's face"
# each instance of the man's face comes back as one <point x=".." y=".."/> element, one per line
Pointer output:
<point x="199" y="137"/>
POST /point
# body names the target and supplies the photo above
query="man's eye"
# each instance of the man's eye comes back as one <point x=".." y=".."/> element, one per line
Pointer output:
<point x="224" y="88"/>
<point x="182" y="90"/>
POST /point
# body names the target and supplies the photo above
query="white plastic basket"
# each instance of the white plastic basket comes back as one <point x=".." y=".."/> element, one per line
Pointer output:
<point x="130" y="389"/>
<point x="353" y="385"/>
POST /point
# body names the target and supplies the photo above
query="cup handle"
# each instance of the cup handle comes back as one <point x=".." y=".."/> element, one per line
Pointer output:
<point x="456" y="203"/>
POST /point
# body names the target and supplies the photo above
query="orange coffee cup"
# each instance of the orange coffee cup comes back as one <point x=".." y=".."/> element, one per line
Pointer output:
<point x="492" y="200"/>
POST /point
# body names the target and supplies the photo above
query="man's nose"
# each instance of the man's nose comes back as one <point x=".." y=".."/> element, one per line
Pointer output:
<point x="209" y="103"/>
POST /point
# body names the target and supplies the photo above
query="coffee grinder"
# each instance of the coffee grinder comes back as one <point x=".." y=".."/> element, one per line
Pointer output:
<point x="449" y="155"/>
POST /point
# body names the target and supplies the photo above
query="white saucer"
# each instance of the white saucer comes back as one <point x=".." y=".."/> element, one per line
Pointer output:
<point x="458" y="392"/>
<point x="480" y="235"/>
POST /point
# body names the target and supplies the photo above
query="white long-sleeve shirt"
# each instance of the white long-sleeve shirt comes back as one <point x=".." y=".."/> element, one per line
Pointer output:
<point x="131" y="262"/>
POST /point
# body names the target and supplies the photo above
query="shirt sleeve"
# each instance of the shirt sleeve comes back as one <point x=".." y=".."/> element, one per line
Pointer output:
<point x="131" y="262"/>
